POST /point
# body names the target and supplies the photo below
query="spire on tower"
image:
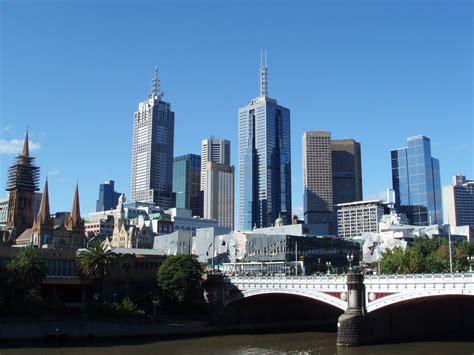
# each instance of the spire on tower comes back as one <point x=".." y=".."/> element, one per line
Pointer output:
<point x="75" y="216"/>
<point x="263" y="74"/>
<point x="44" y="212"/>
<point x="26" y="146"/>
<point x="155" y="87"/>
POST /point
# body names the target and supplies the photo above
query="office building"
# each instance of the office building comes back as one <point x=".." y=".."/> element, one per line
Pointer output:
<point x="152" y="150"/>
<point x="417" y="183"/>
<point x="458" y="202"/>
<point x="219" y="193"/>
<point x="216" y="150"/>
<point x="264" y="162"/>
<point x="355" y="218"/>
<point x="187" y="183"/>
<point x="108" y="198"/>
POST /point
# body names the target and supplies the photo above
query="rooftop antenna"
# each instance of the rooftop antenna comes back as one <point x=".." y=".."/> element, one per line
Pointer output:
<point x="155" y="87"/>
<point x="263" y="74"/>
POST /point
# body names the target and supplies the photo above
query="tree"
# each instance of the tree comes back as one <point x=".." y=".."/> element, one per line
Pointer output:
<point x="180" y="281"/>
<point x="26" y="272"/>
<point x="95" y="262"/>
<point x="393" y="261"/>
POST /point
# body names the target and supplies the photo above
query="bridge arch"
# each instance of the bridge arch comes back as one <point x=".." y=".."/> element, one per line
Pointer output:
<point x="414" y="295"/>
<point x="318" y="296"/>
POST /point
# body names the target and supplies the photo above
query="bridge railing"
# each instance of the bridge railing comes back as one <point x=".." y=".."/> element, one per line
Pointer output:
<point x="309" y="278"/>
<point x="420" y="278"/>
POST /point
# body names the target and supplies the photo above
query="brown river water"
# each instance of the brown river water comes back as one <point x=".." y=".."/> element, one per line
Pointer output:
<point x="290" y="343"/>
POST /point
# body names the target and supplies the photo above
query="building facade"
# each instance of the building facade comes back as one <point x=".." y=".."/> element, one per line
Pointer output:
<point x="458" y="202"/>
<point x="219" y="194"/>
<point x="359" y="217"/>
<point x="108" y="198"/>
<point x="187" y="183"/>
<point x="264" y="161"/>
<point x="152" y="150"/>
<point x="213" y="150"/>
<point x="417" y="183"/>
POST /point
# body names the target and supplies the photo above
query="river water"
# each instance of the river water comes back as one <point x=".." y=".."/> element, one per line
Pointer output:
<point x="291" y="343"/>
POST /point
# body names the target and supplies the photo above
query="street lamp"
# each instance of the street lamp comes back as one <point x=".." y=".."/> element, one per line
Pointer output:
<point x="328" y="265"/>
<point x="350" y="259"/>
<point x="470" y="258"/>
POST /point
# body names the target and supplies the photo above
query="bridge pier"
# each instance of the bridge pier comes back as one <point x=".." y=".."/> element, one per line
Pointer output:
<point x="352" y="324"/>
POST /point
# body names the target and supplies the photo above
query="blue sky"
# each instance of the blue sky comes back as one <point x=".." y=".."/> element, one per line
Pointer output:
<point x="378" y="72"/>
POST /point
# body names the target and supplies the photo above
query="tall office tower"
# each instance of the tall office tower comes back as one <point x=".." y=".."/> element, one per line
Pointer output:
<point x="215" y="150"/>
<point x="108" y="198"/>
<point x="152" y="152"/>
<point x="22" y="183"/>
<point x="264" y="160"/>
<point x="346" y="171"/>
<point x="416" y="182"/>
<point x="186" y="183"/>
<point x="219" y="194"/>
<point x="458" y="202"/>
<point x="318" y="203"/>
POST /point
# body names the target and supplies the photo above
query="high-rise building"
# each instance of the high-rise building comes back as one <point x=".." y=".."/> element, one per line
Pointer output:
<point x="215" y="150"/>
<point x="152" y="152"/>
<point x="219" y="194"/>
<point x="458" y="202"/>
<point x="187" y="183"/>
<point x="318" y="202"/>
<point x="332" y="175"/>
<point x="356" y="218"/>
<point x="417" y="183"/>
<point x="22" y="183"/>
<point x="108" y="198"/>
<point x="346" y="171"/>
<point x="264" y="160"/>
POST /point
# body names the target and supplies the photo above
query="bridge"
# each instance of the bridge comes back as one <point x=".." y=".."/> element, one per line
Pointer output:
<point x="359" y="298"/>
<point x="379" y="290"/>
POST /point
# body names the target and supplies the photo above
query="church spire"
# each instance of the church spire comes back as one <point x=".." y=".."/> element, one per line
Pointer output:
<point x="26" y="146"/>
<point x="76" y="210"/>
<point x="44" y="211"/>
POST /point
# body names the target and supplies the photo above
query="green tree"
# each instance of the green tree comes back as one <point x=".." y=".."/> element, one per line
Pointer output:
<point x="180" y="281"/>
<point x="26" y="273"/>
<point x="393" y="261"/>
<point x="95" y="262"/>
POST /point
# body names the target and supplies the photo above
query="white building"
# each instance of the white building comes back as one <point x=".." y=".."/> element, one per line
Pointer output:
<point x="183" y="220"/>
<point x="355" y="218"/>
<point x="213" y="150"/>
<point x="458" y="202"/>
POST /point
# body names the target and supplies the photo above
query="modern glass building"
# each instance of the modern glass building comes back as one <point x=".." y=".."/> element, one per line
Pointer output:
<point x="264" y="161"/>
<point x="152" y="150"/>
<point x="417" y="183"/>
<point x="186" y="183"/>
<point x="108" y="198"/>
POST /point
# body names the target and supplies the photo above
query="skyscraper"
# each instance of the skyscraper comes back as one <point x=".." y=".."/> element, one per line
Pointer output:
<point x="217" y="181"/>
<point x="186" y="183"/>
<point x="215" y="150"/>
<point x="108" y="198"/>
<point x="416" y="182"/>
<point x="458" y="202"/>
<point x="332" y="175"/>
<point x="318" y="202"/>
<point x="264" y="160"/>
<point x="346" y="171"/>
<point x="152" y="152"/>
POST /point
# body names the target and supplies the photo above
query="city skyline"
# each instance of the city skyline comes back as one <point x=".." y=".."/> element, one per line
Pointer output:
<point x="383" y="119"/>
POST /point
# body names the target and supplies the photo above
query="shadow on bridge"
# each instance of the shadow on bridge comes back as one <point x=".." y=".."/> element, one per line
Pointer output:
<point x="427" y="318"/>
<point x="280" y="308"/>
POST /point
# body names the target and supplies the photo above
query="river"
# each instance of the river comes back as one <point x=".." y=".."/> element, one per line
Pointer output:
<point x="290" y="343"/>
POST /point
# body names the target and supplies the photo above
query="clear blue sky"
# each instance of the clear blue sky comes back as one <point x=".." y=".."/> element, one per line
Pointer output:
<point x="375" y="71"/>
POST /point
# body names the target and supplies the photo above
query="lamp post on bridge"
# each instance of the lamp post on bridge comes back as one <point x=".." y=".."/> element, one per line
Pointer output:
<point x="350" y="259"/>
<point x="328" y="265"/>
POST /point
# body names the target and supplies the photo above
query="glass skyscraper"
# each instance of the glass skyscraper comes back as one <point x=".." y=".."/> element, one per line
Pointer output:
<point x="152" y="150"/>
<point x="417" y="183"/>
<point x="186" y="183"/>
<point x="108" y="198"/>
<point x="264" y="161"/>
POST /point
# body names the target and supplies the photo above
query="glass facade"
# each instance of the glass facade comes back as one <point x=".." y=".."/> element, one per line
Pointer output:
<point x="187" y="183"/>
<point x="264" y="164"/>
<point x="108" y="198"/>
<point x="416" y="182"/>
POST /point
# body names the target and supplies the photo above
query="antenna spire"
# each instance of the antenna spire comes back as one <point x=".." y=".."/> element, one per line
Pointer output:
<point x="155" y="87"/>
<point x="263" y="74"/>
